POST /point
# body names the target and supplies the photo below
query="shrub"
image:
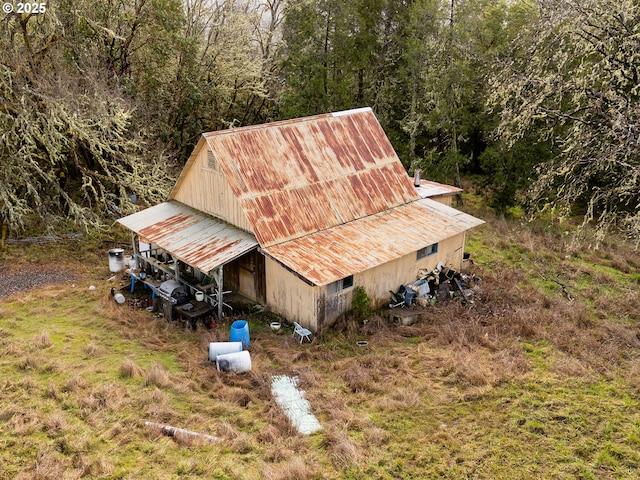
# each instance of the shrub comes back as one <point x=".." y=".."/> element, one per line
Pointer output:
<point x="360" y="303"/>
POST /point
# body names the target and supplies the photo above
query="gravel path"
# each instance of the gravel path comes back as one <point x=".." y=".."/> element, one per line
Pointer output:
<point x="19" y="280"/>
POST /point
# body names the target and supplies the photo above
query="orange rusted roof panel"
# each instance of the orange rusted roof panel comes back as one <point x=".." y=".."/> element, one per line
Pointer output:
<point x="193" y="237"/>
<point x="348" y="249"/>
<point x="297" y="177"/>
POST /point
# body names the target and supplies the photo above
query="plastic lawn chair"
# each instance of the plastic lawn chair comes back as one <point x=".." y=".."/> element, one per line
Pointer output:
<point x="302" y="332"/>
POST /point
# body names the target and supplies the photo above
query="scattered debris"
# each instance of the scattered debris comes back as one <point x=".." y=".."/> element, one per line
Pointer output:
<point x="565" y="288"/>
<point x="437" y="285"/>
<point x="138" y="303"/>
<point x="285" y="391"/>
<point x="170" y="431"/>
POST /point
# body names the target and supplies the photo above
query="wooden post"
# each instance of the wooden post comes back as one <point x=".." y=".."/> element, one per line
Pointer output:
<point x="218" y="279"/>
<point x="134" y="244"/>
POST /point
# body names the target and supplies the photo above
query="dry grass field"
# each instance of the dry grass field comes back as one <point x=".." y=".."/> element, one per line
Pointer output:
<point x="523" y="383"/>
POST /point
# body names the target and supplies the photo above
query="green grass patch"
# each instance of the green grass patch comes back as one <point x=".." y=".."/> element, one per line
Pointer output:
<point x="523" y="383"/>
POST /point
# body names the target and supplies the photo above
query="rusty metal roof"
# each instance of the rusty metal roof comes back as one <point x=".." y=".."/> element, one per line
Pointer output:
<point x="297" y="177"/>
<point x="428" y="189"/>
<point x="335" y="253"/>
<point x="193" y="237"/>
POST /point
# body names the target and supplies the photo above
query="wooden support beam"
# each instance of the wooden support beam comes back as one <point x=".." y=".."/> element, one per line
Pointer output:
<point x="218" y="279"/>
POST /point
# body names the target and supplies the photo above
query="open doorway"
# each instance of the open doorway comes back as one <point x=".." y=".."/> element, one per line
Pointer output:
<point x="246" y="275"/>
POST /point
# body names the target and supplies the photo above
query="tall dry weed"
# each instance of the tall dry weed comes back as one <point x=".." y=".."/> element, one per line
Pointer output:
<point x="21" y="421"/>
<point x="155" y="404"/>
<point x="236" y="440"/>
<point x="75" y="383"/>
<point x="105" y="397"/>
<point x="359" y="378"/>
<point x="93" y="466"/>
<point x="52" y="391"/>
<point x="130" y="369"/>
<point x="49" y="464"/>
<point x="298" y="468"/>
<point x="276" y="450"/>
<point x="465" y="369"/>
<point x="42" y="341"/>
<point x="30" y="362"/>
<point x="158" y="376"/>
<point x="93" y="349"/>
<point x="342" y="451"/>
<point x="55" y="424"/>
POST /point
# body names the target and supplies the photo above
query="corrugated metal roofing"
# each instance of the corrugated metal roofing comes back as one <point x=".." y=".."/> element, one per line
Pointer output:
<point x="296" y="177"/>
<point x="329" y="255"/>
<point x="429" y="189"/>
<point x="192" y="237"/>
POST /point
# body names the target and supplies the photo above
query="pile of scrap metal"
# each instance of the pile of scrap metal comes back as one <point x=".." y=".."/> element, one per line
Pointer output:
<point x="442" y="283"/>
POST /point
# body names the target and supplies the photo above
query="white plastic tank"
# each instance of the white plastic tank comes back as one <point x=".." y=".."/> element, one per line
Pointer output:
<point x="221" y="348"/>
<point x="237" y="362"/>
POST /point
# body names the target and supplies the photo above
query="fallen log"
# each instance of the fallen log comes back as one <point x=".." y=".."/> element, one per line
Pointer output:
<point x="44" y="239"/>
<point x="170" y="431"/>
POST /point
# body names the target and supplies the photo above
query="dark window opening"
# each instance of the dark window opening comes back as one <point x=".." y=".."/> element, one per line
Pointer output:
<point x="426" y="251"/>
<point x="339" y="285"/>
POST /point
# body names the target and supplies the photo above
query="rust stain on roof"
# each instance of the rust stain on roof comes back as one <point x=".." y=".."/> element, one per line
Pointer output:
<point x="326" y="196"/>
<point x="172" y="225"/>
<point x="329" y="255"/>
<point x="296" y="177"/>
<point x="192" y="237"/>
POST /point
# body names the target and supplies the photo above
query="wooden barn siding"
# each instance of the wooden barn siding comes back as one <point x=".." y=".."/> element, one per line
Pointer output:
<point x="231" y="276"/>
<point x="380" y="280"/>
<point x="312" y="307"/>
<point x="289" y="296"/>
<point x="208" y="190"/>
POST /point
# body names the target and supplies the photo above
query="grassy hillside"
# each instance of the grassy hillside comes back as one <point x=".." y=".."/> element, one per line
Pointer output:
<point x="522" y="383"/>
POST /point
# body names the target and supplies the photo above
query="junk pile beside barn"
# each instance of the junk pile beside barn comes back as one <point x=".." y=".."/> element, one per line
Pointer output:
<point x="437" y="285"/>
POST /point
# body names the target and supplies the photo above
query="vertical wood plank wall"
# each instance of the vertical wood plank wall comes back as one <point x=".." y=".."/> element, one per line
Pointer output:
<point x="297" y="301"/>
<point x="207" y="190"/>
<point x="289" y="296"/>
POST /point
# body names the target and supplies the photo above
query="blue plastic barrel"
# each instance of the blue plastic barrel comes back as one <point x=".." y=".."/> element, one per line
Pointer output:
<point x="240" y="332"/>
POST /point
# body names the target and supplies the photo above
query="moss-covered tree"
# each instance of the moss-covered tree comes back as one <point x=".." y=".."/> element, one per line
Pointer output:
<point x="68" y="149"/>
<point x="572" y="78"/>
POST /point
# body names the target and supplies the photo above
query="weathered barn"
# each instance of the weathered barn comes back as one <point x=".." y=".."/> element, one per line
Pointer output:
<point x="295" y="214"/>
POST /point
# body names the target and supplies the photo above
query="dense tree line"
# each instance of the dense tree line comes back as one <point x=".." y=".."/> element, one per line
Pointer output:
<point x="103" y="100"/>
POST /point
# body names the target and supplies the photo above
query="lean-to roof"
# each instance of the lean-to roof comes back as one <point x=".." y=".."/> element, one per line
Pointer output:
<point x="429" y="189"/>
<point x="192" y="237"/>
<point x="335" y="253"/>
